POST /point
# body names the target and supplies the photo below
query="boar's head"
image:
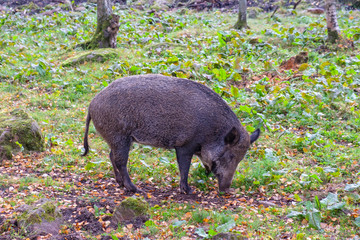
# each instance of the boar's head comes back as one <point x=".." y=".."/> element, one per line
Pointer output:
<point x="223" y="158"/>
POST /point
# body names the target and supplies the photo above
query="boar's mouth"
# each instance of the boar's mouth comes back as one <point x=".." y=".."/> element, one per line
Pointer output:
<point x="223" y="183"/>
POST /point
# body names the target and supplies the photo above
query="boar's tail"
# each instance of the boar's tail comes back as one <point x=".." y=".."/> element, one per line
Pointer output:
<point x="86" y="144"/>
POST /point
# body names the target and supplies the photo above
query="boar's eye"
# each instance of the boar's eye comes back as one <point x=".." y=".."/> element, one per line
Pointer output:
<point x="229" y="156"/>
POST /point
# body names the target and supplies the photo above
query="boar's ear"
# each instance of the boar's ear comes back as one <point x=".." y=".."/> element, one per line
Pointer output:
<point x="232" y="137"/>
<point x="254" y="136"/>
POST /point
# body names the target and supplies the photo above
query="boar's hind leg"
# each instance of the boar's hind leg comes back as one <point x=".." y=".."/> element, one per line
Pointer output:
<point x="120" y="155"/>
<point x="183" y="156"/>
<point x="116" y="171"/>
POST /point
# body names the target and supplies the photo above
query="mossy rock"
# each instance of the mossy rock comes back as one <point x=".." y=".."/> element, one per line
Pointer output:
<point x="43" y="217"/>
<point x="31" y="6"/>
<point x="130" y="209"/>
<point x="228" y="236"/>
<point x="98" y="55"/>
<point x="253" y="12"/>
<point x="18" y="132"/>
<point x="161" y="5"/>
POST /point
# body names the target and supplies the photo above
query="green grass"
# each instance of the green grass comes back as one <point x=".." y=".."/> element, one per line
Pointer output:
<point x="310" y="119"/>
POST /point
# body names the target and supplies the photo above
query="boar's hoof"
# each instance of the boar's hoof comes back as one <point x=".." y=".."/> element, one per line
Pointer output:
<point x="131" y="187"/>
<point x="120" y="182"/>
<point x="185" y="190"/>
<point x="227" y="191"/>
<point x="223" y="190"/>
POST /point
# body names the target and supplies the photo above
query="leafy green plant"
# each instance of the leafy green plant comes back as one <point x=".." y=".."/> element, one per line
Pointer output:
<point x="315" y="211"/>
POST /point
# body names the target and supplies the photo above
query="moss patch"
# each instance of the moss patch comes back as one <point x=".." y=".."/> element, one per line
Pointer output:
<point x="98" y="55"/>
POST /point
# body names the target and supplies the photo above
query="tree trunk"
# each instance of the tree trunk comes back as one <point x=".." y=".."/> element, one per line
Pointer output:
<point x="331" y="21"/>
<point x="107" y="27"/>
<point x="242" y="22"/>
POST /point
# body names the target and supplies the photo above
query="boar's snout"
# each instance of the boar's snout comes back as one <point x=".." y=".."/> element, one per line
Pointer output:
<point x="225" y="180"/>
<point x="224" y="186"/>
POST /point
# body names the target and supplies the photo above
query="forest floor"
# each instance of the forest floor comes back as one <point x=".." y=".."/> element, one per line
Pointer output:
<point x="89" y="192"/>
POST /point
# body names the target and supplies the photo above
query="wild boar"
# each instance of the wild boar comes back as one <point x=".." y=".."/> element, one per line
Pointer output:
<point x="171" y="113"/>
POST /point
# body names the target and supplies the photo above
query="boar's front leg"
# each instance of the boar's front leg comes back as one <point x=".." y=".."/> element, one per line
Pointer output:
<point x="120" y="154"/>
<point x="183" y="156"/>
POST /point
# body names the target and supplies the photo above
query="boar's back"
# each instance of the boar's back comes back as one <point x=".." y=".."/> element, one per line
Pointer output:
<point x="161" y="111"/>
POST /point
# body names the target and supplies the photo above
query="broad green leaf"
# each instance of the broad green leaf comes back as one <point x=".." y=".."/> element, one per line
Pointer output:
<point x="178" y="223"/>
<point x="226" y="226"/>
<point x="172" y="59"/>
<point x="89" y="166"/>
<point x="332" y="203"/>
<point x="164" y="160"/>
<point x="316" y="177"/>
<point x="357" y="221"/>
<point x="331" y="199"/>
<point x="250" y="128"/>
<point x="329" y="169"/>
<point x="212" y="232"/>
<point x="297" y="198"/>
<point x="245" y="108"/>
<point x="336" y="206"/>
<point x="114" y="237"/>
<point x="295" y="214"/>
<point x="134" y="69"/>
<point x="149" y="223"/>
<point x="351" y="187"/>
<point x="314" y="218"/>
<point x="201" y="232"/>
<point x="105" y="83"/>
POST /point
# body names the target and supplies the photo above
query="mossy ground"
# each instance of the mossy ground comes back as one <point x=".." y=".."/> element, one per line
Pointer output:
<point x="98" y="55"/>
